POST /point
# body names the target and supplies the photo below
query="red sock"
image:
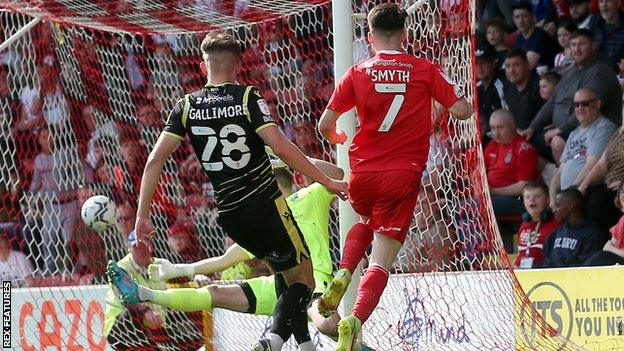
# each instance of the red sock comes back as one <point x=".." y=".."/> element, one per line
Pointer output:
<point x="371" y="287"/>
<point x="358" y="240"/>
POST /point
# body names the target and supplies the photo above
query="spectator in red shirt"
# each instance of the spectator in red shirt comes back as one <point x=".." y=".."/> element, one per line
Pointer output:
<point x="613" y="251"/>
<point x="510" y="162"/>
<point x="538" y="223"/>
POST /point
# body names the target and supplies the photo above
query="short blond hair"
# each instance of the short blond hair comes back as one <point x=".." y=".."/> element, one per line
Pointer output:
<point x="219" y="42"/>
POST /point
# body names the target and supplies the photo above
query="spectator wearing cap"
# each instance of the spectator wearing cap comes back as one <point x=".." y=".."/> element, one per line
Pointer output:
<point x="579" y="11"/>
<point x="535" y="41"/>
<point x="556" y="119"/>
<point x="151" y="325"/>
<point x="490" y="87"/>
<point x="510" y="163"/>
<point x="14" y="265"/>
<point x="521" y="89"/>
<point x="608" y="29"/>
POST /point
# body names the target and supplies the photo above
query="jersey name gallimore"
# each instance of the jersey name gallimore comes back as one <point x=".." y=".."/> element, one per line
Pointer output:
<point x="222" y="123"/>
<point x="216" y="112"/>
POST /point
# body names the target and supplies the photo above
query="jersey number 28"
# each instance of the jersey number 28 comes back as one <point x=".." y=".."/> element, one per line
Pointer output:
<point x="227" y="147"/>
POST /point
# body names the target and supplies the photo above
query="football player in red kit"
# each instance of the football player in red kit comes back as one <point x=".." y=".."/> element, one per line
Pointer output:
<point x="392" y="94"/>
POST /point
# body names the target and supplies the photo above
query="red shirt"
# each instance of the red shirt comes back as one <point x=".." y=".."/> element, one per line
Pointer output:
<point x="511" y="163"/>
<point x="392" y="94"/>
<point x="617" y="233"/>
<point x="536" y="248"/>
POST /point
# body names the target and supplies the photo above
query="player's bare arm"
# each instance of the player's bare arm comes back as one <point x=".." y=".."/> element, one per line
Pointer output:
<point x="287" y="151"/>
<point x="327" y="127"/>
<point x="165" y="145"/>
<point x="162" y="270"/>
<point x="461" y="109"/>
<point x="330" y="169"/>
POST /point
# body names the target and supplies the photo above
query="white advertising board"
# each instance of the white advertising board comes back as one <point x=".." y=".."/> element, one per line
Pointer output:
<point x="58" y="318"/>
<point x="440" y="311"/>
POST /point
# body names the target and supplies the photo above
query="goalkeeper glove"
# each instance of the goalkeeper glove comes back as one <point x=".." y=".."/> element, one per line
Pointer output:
<point x="163" y="270"/>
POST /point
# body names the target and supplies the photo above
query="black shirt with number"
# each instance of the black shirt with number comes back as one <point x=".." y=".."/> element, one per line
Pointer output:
<point x="222" y="123"/>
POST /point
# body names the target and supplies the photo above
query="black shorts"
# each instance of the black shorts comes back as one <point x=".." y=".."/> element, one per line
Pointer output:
<point x="268" y="230"/>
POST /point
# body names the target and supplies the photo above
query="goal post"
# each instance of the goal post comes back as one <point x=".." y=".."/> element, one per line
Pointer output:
<point x="88" y="90"/>
<point x="343" y="22"/>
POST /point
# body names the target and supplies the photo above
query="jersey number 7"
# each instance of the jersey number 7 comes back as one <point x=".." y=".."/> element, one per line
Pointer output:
<point x="227" y="147"/>
<point x="395" y="106"/>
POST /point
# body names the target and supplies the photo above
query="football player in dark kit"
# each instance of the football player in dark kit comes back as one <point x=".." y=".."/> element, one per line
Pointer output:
<point x="228" y="125"/>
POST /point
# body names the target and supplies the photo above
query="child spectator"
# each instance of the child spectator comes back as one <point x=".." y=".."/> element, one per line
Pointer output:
<point x="577" y="239"/>
<point x="537" y="224"/>
<point x="548" y="84"/>
<point x="564" y="60"/>
<point x="613" y="251"/>
<point x="495" y="33"/>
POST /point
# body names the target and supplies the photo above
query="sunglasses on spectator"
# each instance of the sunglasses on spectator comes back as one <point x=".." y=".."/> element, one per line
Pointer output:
<point x="585" y="103"/>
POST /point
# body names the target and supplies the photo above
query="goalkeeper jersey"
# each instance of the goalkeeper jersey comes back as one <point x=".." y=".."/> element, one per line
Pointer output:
<point x="310" y="207"/>
<point x="222" y="122"/>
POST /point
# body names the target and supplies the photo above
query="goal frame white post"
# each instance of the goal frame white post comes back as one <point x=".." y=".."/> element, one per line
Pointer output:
<point x="343" y="59"/>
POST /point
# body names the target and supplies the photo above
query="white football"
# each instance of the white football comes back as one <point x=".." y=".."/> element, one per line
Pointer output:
<point x="99" y="213"/>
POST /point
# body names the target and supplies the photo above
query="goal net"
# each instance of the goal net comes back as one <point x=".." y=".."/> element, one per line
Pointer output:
<point x="87" y="92"/>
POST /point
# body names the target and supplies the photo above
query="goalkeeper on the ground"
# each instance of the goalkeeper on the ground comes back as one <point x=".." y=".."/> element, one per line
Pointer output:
<point x="310" y="206"/>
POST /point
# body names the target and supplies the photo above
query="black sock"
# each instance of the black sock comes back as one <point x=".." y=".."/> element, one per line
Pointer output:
<point x="280" y="284"/>
<point x="300" y="326"/>
<point x="289" y="309"/>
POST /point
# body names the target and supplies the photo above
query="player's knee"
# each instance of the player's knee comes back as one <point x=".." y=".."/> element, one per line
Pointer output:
<point x="306" y="274"/>
<point x="309" y="283"/>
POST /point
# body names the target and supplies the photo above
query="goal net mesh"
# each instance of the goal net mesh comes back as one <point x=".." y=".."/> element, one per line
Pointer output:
<point x="88" y="91"/>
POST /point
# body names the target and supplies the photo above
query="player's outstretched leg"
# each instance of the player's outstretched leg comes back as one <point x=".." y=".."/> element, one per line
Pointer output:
<point x="126" y="287"/>
<point x="329" y="301"/>
<point x="348" y="330"/>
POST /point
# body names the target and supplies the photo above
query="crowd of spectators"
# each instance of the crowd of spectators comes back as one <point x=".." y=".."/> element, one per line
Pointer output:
<point x="81" y="109"/>
<point x="551" y="72"/>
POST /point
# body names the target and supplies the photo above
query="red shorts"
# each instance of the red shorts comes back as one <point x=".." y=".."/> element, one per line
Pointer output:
<point x="387" y="198"/>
